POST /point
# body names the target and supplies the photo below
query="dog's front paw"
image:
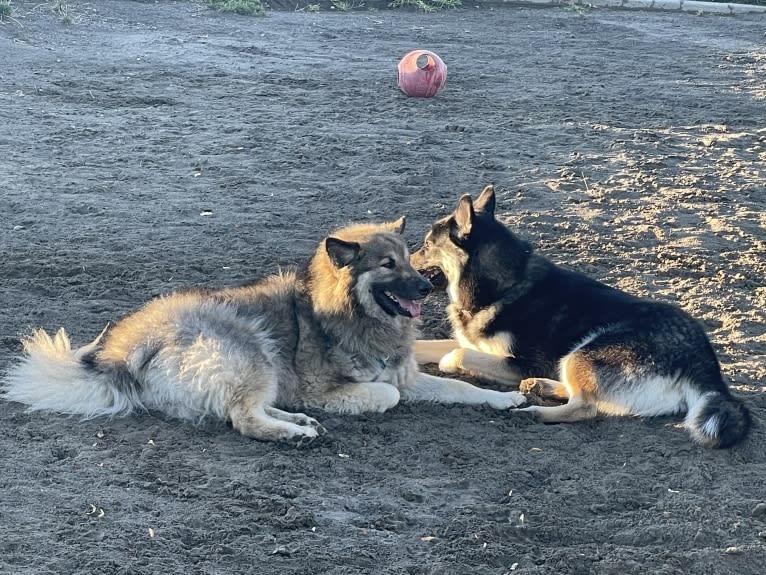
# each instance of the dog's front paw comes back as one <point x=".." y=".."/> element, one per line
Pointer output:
<point x="514" y="398"/>
<point x="508" y="399"/>
<point x="452" y="362"/>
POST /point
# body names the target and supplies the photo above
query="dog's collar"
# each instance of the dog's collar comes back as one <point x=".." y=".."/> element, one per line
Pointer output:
<point x="382" y="362"/>
<point x="382" y="367"/>
<point x="363" y="366"/>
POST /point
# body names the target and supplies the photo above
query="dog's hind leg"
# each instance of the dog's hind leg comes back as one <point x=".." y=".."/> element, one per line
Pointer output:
<point x="251" y="413"/>
<point x="578" y="384"/>
<point x="432" y="350"/>
<point x="220" y="375"/>
<point x="297" y="418"/>
<point x="573" y="410"/>
<point x="545" y="388"/>
<point x="259" y="422"/>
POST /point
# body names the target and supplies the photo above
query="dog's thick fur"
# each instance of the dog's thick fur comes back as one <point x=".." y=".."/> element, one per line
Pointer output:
<point x="519" y="319"/>
<point x="337" y="337"/>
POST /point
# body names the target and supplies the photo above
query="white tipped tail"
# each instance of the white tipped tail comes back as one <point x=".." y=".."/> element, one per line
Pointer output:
<point x="718" y="419"/>
<point x="52" y="377"/>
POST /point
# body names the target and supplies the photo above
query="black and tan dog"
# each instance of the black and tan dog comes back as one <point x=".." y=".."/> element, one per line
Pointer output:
<point x="519" y="319"/>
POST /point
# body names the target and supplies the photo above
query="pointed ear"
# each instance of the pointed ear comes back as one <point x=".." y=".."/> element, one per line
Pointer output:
<point x="485" y="203"/>
<point x="464" y="215"/>
<point x="398" y="225"/>
<point x="341" y="252"/>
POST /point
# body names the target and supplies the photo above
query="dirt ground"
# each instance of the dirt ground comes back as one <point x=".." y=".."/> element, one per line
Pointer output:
<point x="148" y="147"/>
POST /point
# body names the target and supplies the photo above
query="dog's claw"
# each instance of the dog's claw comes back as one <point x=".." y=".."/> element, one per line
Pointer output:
<point x="314" y="431"/>
<point x="314" y="424"/>
<point x="303" y="440"/>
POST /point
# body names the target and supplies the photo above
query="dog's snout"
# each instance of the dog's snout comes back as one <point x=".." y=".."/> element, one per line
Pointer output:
<point x="425" y="287"/>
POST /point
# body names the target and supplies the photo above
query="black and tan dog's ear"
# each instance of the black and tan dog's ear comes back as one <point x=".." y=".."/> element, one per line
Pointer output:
<point x="341" y="253"/>
<point x="485" y="203"/>
<point x="398" y="225"/>
<point x="464" y="216"/>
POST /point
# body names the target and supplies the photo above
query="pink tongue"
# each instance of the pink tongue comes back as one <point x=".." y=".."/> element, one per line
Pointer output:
<point x="411" y="306"/>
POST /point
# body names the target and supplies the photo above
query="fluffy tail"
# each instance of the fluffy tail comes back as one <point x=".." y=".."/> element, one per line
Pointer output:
<point x="718" y="420"/>
<point x="53" y="377"/>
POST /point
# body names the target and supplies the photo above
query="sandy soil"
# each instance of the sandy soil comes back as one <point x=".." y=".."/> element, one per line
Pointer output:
<point x="154" y="146"/>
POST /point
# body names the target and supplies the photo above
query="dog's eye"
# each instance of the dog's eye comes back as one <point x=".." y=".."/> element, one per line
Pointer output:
<point x="388" y="263"/>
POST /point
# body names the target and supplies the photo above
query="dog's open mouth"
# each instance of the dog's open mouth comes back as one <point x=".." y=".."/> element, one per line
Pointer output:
<point x="397" y="305"/>
<point x="436" y="276"/>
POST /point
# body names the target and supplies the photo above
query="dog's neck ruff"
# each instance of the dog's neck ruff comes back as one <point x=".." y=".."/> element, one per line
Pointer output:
<point x="366" y="359"/>
<point x="469" y="303"/>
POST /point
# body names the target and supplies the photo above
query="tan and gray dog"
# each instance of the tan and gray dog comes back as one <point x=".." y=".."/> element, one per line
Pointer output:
<point x="337" y="337"/>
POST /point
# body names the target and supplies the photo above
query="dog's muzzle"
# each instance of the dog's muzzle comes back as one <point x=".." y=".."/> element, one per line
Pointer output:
<point x="404" y="299"/>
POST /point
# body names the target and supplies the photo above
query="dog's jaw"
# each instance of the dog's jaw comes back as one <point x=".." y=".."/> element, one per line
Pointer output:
<point x="394" y="304"/>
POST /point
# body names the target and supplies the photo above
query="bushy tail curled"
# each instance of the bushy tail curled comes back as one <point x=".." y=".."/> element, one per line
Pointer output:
<point x="52" y="377"/>
<point x="718" y="420"/>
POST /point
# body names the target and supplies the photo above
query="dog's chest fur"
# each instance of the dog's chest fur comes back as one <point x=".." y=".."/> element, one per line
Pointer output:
<point x="332" y="352"/>
<point x="470" y="330"/>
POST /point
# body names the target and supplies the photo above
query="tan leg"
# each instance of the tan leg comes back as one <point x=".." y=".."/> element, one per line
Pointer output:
<point x="544" y="388"/>
<point x="579" y="382"/>
<point x="490" y="367"/>
<point x="576" y="409"/>
<point x="432" y="350"/>
<point x="427" y="387"/>
<point x="493" y="368"/>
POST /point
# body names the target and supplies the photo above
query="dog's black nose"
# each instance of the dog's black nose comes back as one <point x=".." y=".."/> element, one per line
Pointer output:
<point x="425" y="288"/>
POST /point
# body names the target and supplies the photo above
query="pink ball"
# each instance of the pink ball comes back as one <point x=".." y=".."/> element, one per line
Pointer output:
<point x="422" y="74"/>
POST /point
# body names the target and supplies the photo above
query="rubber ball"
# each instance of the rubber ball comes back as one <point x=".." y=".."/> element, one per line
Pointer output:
<point x="422" y="74"/>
